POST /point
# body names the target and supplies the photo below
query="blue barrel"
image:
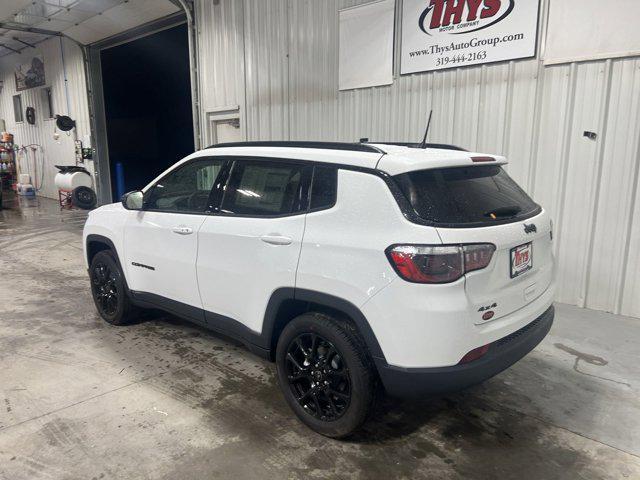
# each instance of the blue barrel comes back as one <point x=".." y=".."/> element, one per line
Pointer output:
<point x="119" y="180"/>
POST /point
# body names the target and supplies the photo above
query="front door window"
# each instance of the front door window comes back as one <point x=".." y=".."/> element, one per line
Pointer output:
<point x="186" y="189"/>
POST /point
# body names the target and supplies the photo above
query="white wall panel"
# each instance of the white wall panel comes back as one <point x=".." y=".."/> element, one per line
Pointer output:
<point x="492" y="105"/>
<point x="535" y="115"/>
<point x="579" y="190"/>
<point x="266" y="69"/>
<point x="221" y="54"/>
<point x="366" y="39"/>
<point x="630" y="294"/>
<point x="71" y="101"/>
<point x="522" y="105"/>
<point x="592" y="29"/>
<point x="547" y="169"/>
<point x="313" y="71"/>
<point x="615" y="273"/>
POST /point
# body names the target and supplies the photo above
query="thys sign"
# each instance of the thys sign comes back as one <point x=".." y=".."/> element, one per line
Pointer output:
<point x="438" y="34"/>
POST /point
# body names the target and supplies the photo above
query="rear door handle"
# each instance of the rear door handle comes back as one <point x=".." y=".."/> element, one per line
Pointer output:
<point x="276" y="239"/>
<point x="182" y="230"/>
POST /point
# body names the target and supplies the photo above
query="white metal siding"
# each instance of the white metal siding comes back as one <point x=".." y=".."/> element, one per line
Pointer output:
<point x="221" y="54"/>
<point x="278" y="61"/>
<point x="62" y="151"/>
<point x="266" y="77"/>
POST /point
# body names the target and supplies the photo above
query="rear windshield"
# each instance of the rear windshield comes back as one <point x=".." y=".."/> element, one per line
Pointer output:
<point x="466" y="195"/>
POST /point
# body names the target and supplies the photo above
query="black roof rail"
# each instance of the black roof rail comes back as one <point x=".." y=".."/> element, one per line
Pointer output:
<point x="353" y="147"/>
<point x="442" y="146"/>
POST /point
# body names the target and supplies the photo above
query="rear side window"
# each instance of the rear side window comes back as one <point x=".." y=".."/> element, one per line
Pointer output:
<point x="324" y="188"/>
<point x="466" y="195"/>
<point x="265" y="188"/>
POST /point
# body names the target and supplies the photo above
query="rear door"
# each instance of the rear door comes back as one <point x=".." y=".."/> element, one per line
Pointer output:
<point x="482" y="204"/>
<point x="250" y="248"/>
<point x="161" y="241"/>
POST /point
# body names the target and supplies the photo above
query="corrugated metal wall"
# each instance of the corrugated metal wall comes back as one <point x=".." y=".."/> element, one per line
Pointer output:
<point x="54" y="152"/>
<point x="278" y="61"/>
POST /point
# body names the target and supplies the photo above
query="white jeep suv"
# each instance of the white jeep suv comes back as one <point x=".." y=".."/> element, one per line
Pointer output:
<point x="353" y="266"/>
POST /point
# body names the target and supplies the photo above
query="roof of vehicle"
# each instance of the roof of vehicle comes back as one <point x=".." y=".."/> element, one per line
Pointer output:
<point x="392" y="158"/>
<point x="352" y="147"/>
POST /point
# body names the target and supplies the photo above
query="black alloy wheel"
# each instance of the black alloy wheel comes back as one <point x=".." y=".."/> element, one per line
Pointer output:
<point x="109" y="289"/>
<point x="318" y="376"/>
<point x="105" y="288"/>
<point x="325" y="373"/>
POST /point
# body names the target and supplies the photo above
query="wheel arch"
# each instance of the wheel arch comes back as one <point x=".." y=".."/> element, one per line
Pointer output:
<point x="287" y="303"/>
<point x="98" y="243"/>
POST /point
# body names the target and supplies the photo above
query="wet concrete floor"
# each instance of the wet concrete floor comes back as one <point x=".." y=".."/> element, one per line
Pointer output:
<point x="163" y="399"/>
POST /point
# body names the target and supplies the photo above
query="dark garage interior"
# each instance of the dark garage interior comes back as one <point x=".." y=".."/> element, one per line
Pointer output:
<point x="147" y="106"/>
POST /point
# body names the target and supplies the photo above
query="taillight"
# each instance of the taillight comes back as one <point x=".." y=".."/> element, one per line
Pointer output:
<point x="476" y="257"/>
<point x="438" y="264"/>
<point x="425" y="264"/>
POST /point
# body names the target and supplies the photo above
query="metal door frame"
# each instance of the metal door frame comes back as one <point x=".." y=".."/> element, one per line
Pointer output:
<point x="228" y="114"/>
<point x="95" y="92"/>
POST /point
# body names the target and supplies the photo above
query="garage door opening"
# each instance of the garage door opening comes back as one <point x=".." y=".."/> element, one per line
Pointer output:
<point x="147" y="101"/>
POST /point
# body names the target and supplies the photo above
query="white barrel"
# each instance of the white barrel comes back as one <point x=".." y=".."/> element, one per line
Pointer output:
<point x="71" y="180"/>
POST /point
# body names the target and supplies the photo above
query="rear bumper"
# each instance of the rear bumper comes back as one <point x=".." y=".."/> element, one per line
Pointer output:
<point x="415" y="382"/>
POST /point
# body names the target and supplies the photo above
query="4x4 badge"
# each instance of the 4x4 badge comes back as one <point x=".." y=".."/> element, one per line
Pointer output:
<point x="531" y="228"/>
<point x="488" y="307"/>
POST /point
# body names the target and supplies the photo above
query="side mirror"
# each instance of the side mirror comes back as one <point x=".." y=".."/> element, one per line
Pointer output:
<point x="133" y="200"/>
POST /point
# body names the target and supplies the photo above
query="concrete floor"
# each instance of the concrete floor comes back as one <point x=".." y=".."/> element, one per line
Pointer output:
<point x="81" y="399"/>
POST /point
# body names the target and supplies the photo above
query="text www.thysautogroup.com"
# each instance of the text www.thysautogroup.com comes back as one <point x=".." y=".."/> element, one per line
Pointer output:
<point x="455" y="52"/>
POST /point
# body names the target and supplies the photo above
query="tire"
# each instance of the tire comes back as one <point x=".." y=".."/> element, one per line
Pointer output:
<point x="109" y="289"/>
<point x="84" y="198"/>
<point x="329" y="384"/>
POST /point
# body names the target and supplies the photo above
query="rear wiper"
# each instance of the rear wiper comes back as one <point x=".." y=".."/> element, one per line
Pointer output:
<point x="503" y="212"/>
